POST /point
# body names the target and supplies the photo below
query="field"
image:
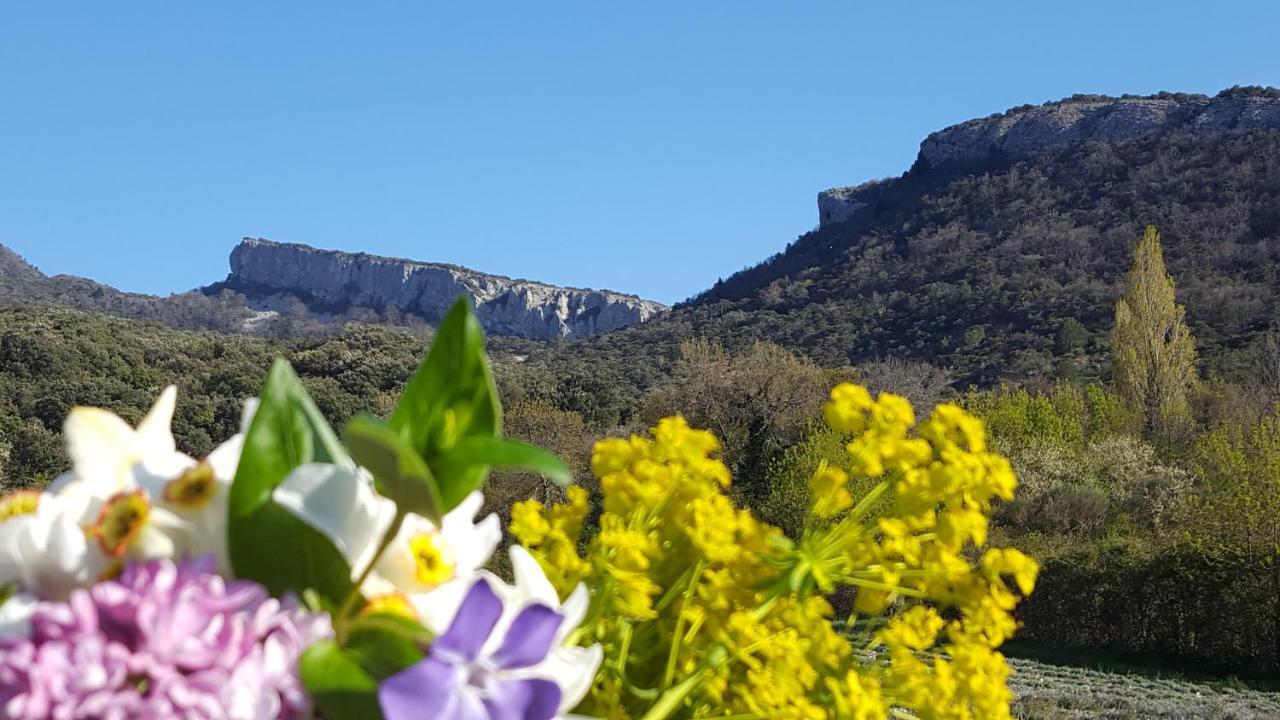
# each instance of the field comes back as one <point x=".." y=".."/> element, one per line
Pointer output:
<point x="1046" y="691"/>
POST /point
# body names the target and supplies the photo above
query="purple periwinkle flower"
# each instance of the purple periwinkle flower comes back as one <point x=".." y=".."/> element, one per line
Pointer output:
<point x="468" y="676"/>
<point x="164" y="640"/>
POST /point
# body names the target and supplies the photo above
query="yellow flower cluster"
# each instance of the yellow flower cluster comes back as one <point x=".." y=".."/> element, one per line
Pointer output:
<point x="704" y="611"/>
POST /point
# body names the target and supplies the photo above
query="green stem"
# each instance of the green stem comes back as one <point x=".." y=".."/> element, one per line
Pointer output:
<point x="678" y="638"/>
<point x="342" y="624"/>
<point x="870" y="499"/>
<point x="671" y="699"/>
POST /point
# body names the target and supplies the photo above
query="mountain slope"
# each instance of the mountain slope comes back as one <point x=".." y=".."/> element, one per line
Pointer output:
<point x="1005" y="265"/>
<point x="21" y="282"/>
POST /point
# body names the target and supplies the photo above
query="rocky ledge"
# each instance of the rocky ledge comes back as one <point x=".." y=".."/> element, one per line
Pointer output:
<point x="1033" y="128"/>
<point x="329" y="280"/>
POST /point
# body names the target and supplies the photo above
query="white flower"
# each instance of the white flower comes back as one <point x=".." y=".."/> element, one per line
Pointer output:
<point x="340" y="503"/>
<point x="430" y="568"/>
<point x="104" y="449"/>
<point x="42" y="548"/>
<point x="195" y="493"/>
<point x="130" y="495"/>
<point x="15" y="614"/>
<point x="572" y="667"/>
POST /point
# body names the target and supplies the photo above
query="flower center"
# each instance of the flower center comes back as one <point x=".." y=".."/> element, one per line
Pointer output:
<point x="18" y="502"/>
<point x="122" y="518"/>
<point x="193" y="488"/>
<point x="433" y="559"/>
<point x="392" y="603"/>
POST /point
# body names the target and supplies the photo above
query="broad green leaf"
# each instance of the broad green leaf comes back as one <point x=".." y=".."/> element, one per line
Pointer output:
<point x="385" y="644"/>
<point x="398" y="471"/>
<point x="450" y="397"/>
<point x="479" y="451"/>
<point x="341" y="689"/>
<point x="268" y="544"/>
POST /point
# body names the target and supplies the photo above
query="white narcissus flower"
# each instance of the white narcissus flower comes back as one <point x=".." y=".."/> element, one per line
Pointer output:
<point x="426" y="569"/>
<point x="42" y="547"/>
<point x="103" y="448"/>
<point x="130" y="495"/>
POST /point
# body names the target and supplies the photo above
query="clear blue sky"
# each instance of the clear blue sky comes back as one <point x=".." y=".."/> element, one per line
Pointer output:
<point x="645" y="147"/>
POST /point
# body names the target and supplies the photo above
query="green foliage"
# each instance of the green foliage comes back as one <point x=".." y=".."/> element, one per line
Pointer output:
<point x="1115" y="482"/>
<point x="1067" y="415"/>
<point x="1172" y="603"/>
<point x="757" y="403"/>
<point x="451" y="397"/>
<point x="287" y="431"/>
<point x="788" y="478"/>
<point x="399" y="472"/>
<point x="451" y="417"/>
<point x="1153" y="356"/>
<point x="1236" y="515"/>
<point x="52" y="359"/>
<point x="338" y="685"/>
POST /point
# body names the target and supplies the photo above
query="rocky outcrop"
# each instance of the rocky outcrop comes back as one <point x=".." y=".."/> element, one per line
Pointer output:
<point x="14" y="267"/>
<point x="837" y="205"/>
<point x="1080" y="118"/>
<point x="332" y="280"/>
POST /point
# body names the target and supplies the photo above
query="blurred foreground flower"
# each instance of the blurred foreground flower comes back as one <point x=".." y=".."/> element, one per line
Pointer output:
<point x="130" y="495"/>
<point x="164" y="640"/>
<point x="495" y="661"/>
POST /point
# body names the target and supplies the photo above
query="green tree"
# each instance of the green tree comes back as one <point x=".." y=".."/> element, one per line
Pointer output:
<point x="1153" y="356"/>
<point x="1235" y="519"/>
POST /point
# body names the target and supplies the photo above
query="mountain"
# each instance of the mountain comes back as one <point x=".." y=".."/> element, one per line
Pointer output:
<point x="998" y="255"/>
<point x="21" y="282"/>
<point x="333" y="281"/>
<point x="289" y="289"/>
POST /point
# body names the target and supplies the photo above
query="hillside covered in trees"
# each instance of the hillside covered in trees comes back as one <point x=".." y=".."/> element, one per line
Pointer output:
<point x="1008" y="268"/>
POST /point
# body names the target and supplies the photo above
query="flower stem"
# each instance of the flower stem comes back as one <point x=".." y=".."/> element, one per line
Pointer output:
<point x="342" y="617"/>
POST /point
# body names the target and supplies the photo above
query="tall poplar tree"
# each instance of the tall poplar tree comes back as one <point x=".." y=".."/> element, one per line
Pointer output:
<point x="1153" y="356"/>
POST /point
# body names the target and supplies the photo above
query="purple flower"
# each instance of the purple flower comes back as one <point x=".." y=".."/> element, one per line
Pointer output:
<point x="163" y="640"/>
<point x="467" y="675"/>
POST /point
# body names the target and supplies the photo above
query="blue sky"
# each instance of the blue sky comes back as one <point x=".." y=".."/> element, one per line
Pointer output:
<point x="644" y="147"/>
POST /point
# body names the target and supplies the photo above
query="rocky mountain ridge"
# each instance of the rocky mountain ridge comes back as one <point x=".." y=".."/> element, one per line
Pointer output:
<point x="1030" y="129"/>
<point x="265" y="270"/>
<point x="14" y="267"/>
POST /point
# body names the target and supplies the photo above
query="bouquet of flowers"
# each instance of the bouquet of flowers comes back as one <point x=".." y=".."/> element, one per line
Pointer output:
<point x="296" y="573"/>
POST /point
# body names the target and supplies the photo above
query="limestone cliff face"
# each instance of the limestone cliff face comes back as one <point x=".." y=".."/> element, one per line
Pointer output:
<point x="1034" y="128"/>
<point x="1081" y="118"/>
<point x="338" y="280"/>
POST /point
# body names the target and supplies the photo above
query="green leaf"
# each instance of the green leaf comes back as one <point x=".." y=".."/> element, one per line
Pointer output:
<point x="450" y="397"/>
<point x="340" y="688"/>
<point x="498" y="452"/>
<point x="398" y="471"/>
<point x="268" y="544"/>
<point x="385" y="644"/>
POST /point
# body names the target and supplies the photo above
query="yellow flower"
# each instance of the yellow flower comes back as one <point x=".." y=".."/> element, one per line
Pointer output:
<point x="829" y="491"/>
<point x="527" y="522"/>
<point x="847" y="410"/>
<point x="690" y="592"/>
